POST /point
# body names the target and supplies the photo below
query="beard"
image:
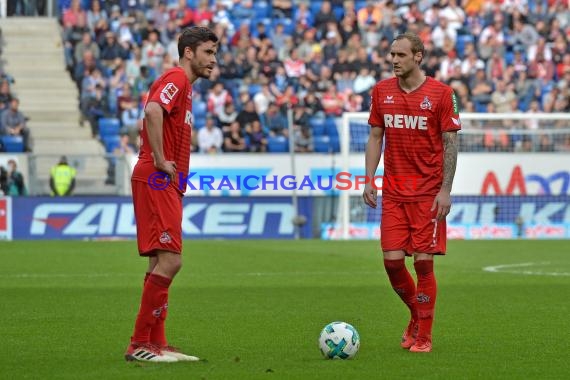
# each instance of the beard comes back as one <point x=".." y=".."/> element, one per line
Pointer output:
<point x="200" y="71"/>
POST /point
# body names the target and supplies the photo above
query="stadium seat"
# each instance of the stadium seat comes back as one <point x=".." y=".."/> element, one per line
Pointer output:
<point x="199" y="109"/>
<point x="315" y="7"/>
<point x="261" y="9"/>
<point x="338" y="13"/>
<point x="109" y="126"/>
<point x="359" y="4"/>
<point x="199" y="122"/>
<point x="111" y="142"/>
<point x="330" y="127"/>
<point x="322" y="144"/>
<point x="317" y="125"/>
<point x="253" y="89"/>
<point x="277" y="144"/>
<point x="460" y="43"/>
<point x="13" y="144"/>
<point x="335" y="144"/>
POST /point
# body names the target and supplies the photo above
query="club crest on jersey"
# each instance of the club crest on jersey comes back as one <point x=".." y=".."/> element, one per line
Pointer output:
<point x="165" y="238"/>
<point x="168" y="92"/>
<point x="426" y="104"/>
<point x="389" y="99"/>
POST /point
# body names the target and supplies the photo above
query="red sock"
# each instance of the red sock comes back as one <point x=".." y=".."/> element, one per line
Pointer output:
<point x="157" y="334"/>
<point x="402" y="283"/>
<point x="427" y="291"/>
<point x="153" y="304"/>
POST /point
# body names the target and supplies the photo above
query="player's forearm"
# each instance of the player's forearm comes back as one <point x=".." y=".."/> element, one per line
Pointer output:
<point x="153" y="116"/>
<point x="449" y="159"/>
<point x="373" y="151"/>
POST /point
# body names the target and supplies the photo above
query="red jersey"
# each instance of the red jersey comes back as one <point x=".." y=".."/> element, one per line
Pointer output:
<point x="173" y="92"/>
<point x="413" y="123"/>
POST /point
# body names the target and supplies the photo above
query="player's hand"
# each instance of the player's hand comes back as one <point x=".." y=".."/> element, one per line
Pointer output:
<point x="168" y="167"/>
<point x="441" y="203"/>
<point x="370" y="195"/>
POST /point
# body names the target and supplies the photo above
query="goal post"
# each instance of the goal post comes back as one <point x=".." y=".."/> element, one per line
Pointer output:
<point x="482" y="133"/>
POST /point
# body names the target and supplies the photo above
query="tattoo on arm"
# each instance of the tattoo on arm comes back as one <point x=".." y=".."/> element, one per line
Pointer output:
<point x="449" y="159"/>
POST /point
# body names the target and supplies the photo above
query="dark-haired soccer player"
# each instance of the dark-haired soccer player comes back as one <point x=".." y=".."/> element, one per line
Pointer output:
<point x="418" y="120"/>
<point x="165" y="148"/>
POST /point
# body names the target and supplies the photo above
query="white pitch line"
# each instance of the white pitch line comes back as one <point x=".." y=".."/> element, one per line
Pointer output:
<point x="511" y="269"/>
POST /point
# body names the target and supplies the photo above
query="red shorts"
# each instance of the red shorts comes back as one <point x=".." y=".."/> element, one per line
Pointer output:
<point x="411" y="227"/>
<point x="158" y="215"/>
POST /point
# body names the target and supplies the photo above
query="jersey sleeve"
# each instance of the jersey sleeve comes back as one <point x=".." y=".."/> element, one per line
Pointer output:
<point x="449" y="114"/>
<point x="169" y="90"/>
<point x="375" y="119"/>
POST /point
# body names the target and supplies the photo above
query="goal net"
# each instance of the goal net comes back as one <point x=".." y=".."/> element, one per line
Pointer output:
<point x="512" y="179"/>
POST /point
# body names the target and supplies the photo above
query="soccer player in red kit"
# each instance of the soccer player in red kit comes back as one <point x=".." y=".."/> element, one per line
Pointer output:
<point x="157" y="194"/>
<point x="417" y="118"/>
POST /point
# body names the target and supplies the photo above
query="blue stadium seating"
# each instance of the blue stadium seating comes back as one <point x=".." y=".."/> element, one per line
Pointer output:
<point x="322" y="144"/>
<point x="109" y="126"/>
<point x="111" y="142"/>
<point x="338" y="12"/>
<point x="317" y="125"/>
<point x="199" y="109"/>
<point x="199" y="122"/>
<point x="13" y="144"/>
<point x="335" y="144"/>
<point x="460" y="43"/>
<point x="330" y="127"/>
<point x="315" y="7"/>
<point x="277" y="144"/>
<point x="261" y="9"/>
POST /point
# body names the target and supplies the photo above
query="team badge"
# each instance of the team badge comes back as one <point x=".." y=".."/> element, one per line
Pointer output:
<point x="168" y="93"/>
<point x="165" y="238"/>
<point x="423" y="298"/>
<point x="426" y="104"/>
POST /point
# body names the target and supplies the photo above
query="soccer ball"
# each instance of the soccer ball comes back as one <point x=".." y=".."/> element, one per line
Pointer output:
<point x="339" y="340"/>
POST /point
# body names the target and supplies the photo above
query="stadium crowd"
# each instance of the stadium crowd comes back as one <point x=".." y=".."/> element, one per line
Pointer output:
<point x="320" y="58"/>
<point x="14" y="132"/>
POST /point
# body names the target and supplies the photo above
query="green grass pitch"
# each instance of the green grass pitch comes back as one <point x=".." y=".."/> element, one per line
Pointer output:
<point x="254" y="310"/>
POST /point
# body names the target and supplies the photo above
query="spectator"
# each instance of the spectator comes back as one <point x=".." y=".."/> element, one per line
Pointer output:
<point x="247" y="115"/>
<point x="210" y="138"/>
<point x="86" y="43"/>
<point x="227" y="116"/>
<point x="370" y="13"/>
<point x="257" y="138"/>
<point x="125" y="147"/>
<point x="96" y="15"/>
<point x="129" y="119"/>
<point x="62" y="179"/>
<point x="304" y="140"/>
<point x="502" y="97"/>
<point x="3" y="180"/>
<point x="234" y="140"/>
<point x="218" y="97"/>
<point x="15" y="180"/>
<point x="481" y="88"/>
<point x="5" y="96"/>
<point x="14" y="124"/>
<point x="182" y="15"/>
<point x="275" y="121"/>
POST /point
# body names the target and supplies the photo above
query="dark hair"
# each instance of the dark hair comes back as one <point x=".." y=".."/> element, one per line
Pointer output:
<point x="417" y="44"/>
<point x="193" y="37"/>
